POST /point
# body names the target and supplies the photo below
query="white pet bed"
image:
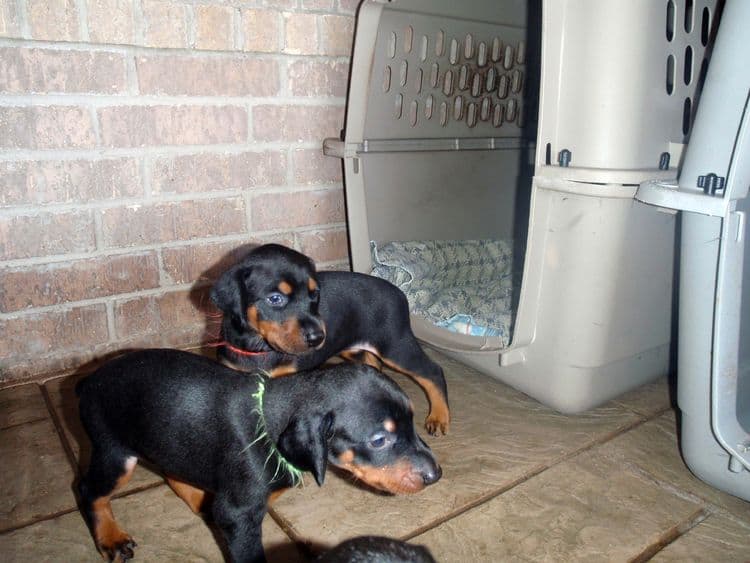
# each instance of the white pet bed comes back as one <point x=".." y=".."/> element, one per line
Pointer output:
<point x="466" y="286"/>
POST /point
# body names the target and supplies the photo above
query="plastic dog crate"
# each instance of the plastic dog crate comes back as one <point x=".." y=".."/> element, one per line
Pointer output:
<point x="495" y="147"/>
<point x="714" y="309"/>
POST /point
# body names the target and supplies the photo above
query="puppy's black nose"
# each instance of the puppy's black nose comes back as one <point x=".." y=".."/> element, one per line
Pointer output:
<point x="314" y="337"/>
<point x="432" y="475"/>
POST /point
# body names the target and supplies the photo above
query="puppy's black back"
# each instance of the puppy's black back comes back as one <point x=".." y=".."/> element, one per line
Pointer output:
<point x="154" y="404"/>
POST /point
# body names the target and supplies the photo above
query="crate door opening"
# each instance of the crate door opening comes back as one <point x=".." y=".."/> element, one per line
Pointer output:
<point x="438" y="190"/>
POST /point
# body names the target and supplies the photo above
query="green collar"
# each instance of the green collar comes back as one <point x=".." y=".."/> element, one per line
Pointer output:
<point x="282" y="464"/>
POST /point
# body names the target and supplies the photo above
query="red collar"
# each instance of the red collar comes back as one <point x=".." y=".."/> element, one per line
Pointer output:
<point x="241" y="352"/>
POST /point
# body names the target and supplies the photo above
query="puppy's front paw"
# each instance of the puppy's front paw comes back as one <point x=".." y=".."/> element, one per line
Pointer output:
<point x="435" y="424"/>
<point x="120" y="550"/>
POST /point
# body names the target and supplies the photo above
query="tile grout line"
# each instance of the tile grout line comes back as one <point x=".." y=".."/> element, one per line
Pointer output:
<point x="37" y="520"/>
<point x="66" y="511"/>
<point x="671" y="535"/>
<point x="60" y="431"/>
<point x="533" y="473"/>
<point x="17" y="424"/>
<point x="685" y="494"/>
<point x="288" y="528"/>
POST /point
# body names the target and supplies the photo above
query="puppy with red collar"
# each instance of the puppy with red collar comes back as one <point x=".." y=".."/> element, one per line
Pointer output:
<point x="282" y="316"/>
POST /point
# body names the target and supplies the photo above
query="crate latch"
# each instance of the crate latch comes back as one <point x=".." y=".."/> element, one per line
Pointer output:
<point x="712" y="184"/>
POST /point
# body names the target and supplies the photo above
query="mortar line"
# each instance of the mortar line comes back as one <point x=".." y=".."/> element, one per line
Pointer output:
<point x="191" y="32"/>
<point x="237" y="34"/>
<point x="161" y="198"/>
<point x="111" y="324"/>
<point x="83" y="23"/>
<point x="114" y="251"/>
<point x="139" y="24"/>
<point x="160" y="151"/>
<point x="23" y="16"/>
<point x="105" y="101"/>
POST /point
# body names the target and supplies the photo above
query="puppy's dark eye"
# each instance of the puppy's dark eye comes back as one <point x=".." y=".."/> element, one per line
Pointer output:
<point x="315" y="294"/>
<point x="277" y="299"/>
<point x="378" y="442"/>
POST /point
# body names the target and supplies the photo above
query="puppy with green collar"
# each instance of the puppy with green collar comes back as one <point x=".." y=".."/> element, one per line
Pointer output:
<point x="240" y="439"/>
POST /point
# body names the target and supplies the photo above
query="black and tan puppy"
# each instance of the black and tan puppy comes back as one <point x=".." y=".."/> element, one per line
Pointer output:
<point x="376" y="549"/>
<point x="282" y="316"/>
<point x="242" y="438"/>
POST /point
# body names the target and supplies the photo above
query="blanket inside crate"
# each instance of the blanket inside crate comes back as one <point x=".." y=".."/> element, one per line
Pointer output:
<point x="466" y="286"/>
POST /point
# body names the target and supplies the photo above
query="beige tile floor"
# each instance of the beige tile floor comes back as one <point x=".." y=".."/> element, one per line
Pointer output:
<point x="520" y="482"/>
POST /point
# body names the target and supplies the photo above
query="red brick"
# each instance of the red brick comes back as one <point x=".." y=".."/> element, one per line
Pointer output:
<point x="10" y="20"/>
<point x="26" y="236"/>
<point x="300" y="34"/>
<point x="61" y="282"/>
<point x="297" y="123"/>
<point x="132" y="126"/>
<point x="85" y="360"/>
<point x="214" y="28"/>
<point x="180" y="336"/>
<point x="53" y="20"/>
<point x="298" y="209"/>
<point x="47" y="70"/>
<point x="207" y="76"/>
<point x="325" y="246"/>
<point x="187" y="264"/>
<point x="206" y="262"/>
<point x="46" y="127"/>
<point x="14" y="176"/>
<point x="311" y="166"/>
<point x="208" y="172"/>
<point x="318" y="78"/>
<point x="261" y="30"/>
<point x="111" y="21"/>
<point x="165" y="24"/>
<point x="67" y="181"/>
<point x="26" y="369"/>
<point x="15" y="123"/>
<point x="40" y="333"/>
<point x="336" y="35"/>
<point x="163" y="222"/>
<point x="155" y="314"/>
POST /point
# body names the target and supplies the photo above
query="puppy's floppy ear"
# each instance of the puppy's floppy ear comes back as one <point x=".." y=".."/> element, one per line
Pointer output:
<point x="227" y="292"/>
<point x="305" y="443"/>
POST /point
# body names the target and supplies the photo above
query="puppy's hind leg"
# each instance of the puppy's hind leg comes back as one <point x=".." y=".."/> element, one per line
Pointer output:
<point x="407" y="357"/>
<point x="108" y="472"/>
<point x="193" y="496"/>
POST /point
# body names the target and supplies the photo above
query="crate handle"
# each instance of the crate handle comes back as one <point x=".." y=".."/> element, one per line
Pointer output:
<point x="333" y="147"/>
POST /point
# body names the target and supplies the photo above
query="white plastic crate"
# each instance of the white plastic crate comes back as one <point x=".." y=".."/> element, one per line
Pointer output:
<point x="532" y="124"/>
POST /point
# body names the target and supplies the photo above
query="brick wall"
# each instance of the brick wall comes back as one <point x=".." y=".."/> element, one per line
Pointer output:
<point x="141" y="141"/>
